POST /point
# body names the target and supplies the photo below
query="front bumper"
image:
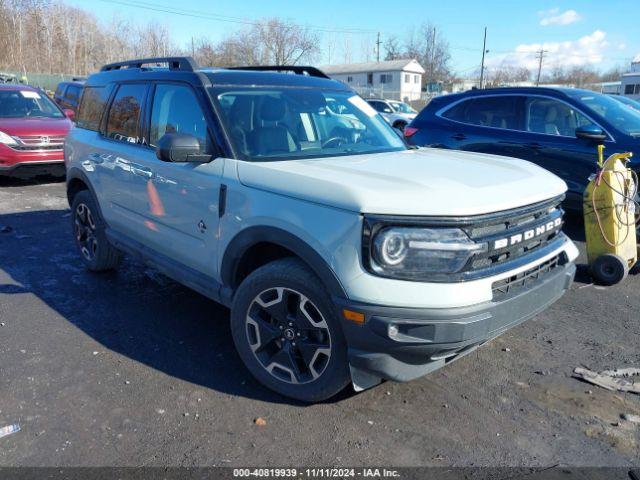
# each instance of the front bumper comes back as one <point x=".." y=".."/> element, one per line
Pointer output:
<point x="33" y="162"/>
<point x="401" y="344"/>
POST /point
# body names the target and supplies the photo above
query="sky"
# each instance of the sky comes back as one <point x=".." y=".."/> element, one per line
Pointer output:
<point x="598" y="33"/>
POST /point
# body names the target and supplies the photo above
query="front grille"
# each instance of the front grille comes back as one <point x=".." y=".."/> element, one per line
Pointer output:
<point x="514" y="234"/>
<point x="512" y="285"/>
<point x="510" y="239"/>
<point x="35" y="143"/>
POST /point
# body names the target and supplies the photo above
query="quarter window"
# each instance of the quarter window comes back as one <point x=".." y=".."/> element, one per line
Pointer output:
<point x="93" y="103"/>
<point x="124" y="115"/>
<point x="549" y="116"/>
<point x="495" y="111"/>
<point x="176" y="110"/>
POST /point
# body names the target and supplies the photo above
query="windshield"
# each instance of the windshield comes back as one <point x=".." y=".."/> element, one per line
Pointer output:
<point x="617" y="114"/>
<point x="279" y="123"/>
<point x="401" y="107"/>
<point x="27" y="104"/>
<point x="627" y="101"/>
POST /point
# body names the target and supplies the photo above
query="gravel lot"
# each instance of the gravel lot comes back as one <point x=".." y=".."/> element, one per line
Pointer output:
<point x="130" y="368"/>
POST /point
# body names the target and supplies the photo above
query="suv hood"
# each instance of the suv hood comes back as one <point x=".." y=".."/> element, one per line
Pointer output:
<point x="18" y="127"/>
<point x="413" y="182"/>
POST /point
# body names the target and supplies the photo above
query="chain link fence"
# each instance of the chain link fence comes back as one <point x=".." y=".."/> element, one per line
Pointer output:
<point x="45" y="81"/>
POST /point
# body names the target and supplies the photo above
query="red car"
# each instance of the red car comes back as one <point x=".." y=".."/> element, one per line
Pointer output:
<point x="32" y="132"/>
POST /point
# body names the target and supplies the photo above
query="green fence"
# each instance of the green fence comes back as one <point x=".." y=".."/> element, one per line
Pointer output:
<point x="46" y="81"/>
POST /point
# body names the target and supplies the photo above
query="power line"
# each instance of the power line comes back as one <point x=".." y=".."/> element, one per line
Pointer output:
<point x="220" y="18"/>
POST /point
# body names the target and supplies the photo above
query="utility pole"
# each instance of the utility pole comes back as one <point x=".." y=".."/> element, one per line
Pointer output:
<point x="484" y="50"/>
<point x="193" y="49"/>
<point x="540" y="53"/>
<point x="433" y="59"/>
<point x="378" y="48"/>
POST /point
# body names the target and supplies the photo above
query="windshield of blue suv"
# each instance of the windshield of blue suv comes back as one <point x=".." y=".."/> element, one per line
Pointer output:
<point x="295" y="123"/>
<point x="625" y="119"/>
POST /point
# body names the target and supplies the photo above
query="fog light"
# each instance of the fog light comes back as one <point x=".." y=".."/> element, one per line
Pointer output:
<point x="392" y="330"/>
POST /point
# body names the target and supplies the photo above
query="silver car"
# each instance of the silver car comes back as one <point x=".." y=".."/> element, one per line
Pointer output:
<point x="397" y="114"/>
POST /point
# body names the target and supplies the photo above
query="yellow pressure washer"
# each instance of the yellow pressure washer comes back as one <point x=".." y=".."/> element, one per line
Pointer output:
<point x="609" y="208"/>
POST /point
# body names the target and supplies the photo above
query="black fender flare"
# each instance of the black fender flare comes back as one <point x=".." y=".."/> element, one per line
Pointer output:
<point x="75" y="173"/>
<point x="251" y="236"/>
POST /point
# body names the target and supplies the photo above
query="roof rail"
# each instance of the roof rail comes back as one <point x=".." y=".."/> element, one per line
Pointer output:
<point x="185" y="64"/>
<point x="297" y="69"/>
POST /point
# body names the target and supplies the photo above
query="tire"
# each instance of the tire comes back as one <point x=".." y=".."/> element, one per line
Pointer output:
<point x="609" y="269"/>
<point x="287" y="333"/>
<point x="88" y="228"/>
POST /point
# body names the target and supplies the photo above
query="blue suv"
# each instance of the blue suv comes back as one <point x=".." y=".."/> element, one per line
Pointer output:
<point x="556" y="128"/>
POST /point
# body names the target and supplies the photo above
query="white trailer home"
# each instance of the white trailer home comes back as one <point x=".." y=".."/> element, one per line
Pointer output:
<point x="397" y="79"/>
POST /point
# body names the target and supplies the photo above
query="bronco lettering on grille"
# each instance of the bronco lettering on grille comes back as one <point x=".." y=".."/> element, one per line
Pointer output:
<point x="527" y="234"/>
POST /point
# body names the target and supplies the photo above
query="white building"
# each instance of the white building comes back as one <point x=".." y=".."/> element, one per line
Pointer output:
<point x="630" y="82"/>
<point x="398" y="79"/>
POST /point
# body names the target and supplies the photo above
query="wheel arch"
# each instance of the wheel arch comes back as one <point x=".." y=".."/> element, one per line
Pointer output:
<point x="250" y="242"/>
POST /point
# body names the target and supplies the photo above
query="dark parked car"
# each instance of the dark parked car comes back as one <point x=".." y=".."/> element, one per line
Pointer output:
<point x="68" y="94"/>
<point x="556" y="128"/>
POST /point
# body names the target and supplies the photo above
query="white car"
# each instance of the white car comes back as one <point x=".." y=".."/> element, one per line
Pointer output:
<point x="397" y="114"/>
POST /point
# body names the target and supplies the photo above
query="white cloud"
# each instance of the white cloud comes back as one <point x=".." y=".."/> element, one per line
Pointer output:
<point x="554" y="17"/>
<point x="590" y="49"/>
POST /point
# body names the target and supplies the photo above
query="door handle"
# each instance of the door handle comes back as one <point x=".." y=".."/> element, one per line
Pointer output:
<point x="141" y="171"/>
<point x="459" y="136"/>
<point x="533" y="146"/>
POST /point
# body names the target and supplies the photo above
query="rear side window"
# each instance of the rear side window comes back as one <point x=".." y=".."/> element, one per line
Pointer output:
<point x="93" y="103"/>
<point x="124" y="114"/>
<point x="496" y="112"/>
<point x="551" y="117"/>
<point x="176" y="110"/>
<point x="73" y="92"/>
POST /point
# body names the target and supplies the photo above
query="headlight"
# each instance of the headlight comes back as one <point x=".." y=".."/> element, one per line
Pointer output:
<point x="413" y="253"/>
<point x="6" y="139"/>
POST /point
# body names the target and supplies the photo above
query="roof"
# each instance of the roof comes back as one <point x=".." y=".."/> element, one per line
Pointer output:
<point x="213" y="77"/>
<point x="186" y="69"/>
<point x="514" y="91"/>
<point x="410" y="65"/>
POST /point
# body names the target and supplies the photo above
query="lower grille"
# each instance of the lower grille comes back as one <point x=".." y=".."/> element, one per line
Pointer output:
<point x="512" y="285"/>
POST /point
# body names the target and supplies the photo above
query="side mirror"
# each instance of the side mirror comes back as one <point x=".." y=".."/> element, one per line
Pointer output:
<point x="70" y="114"/>
<point x="180" y="147"/>
<point x="590" y="132"/>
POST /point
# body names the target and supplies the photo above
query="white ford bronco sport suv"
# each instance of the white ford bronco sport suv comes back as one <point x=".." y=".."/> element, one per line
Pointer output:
<point x="344" y="255"/>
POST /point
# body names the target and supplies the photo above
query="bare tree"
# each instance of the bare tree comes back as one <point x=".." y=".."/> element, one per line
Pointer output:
<point x="431" y="50"/>
<point x="507" y="74"/>
<point x="393" y="49"/>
